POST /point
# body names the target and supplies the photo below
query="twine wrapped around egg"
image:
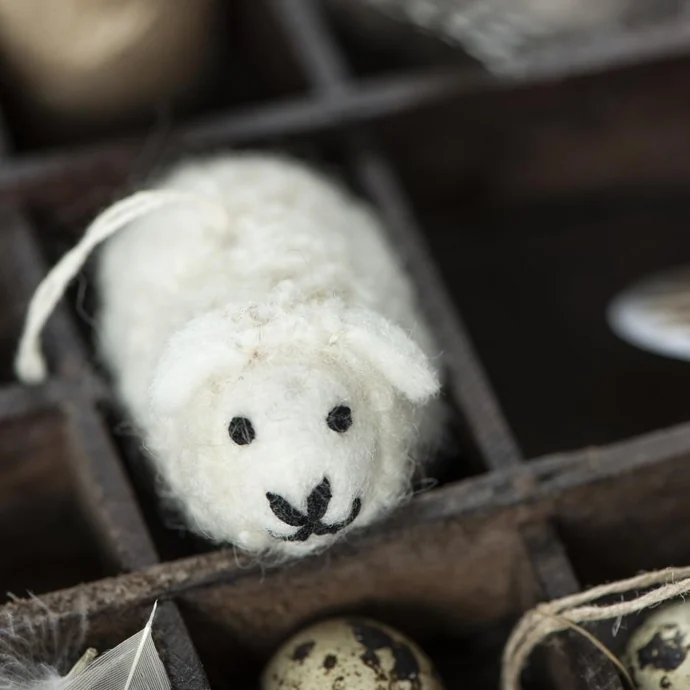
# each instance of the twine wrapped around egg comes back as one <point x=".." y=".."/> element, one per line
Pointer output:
<point x="96" y="60"/>
<point x="569" y="613"/>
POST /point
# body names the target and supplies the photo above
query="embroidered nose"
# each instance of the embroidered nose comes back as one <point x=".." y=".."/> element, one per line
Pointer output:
<point x="311" y="523"/>
<point x="317" y="505"/>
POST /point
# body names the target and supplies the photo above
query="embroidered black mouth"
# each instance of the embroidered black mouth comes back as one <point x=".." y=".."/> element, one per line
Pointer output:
<point x="311" y="522"/>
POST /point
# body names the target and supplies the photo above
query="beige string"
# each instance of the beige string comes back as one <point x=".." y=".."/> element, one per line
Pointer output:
<point x="561" y="614"/>
<point x="30" y="365"/>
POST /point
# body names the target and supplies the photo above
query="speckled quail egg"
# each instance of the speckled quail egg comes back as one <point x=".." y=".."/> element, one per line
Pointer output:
<point x="350" y="654"/>
<point x="658" y="652"/>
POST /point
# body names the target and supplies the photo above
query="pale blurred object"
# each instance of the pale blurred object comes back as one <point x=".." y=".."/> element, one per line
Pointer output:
<point x="99" y="60"/>
<point x="654" y="314"/>
<point x="521" y="38"/>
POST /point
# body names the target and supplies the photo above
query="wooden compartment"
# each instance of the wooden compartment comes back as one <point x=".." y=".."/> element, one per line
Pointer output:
<point x="59" y="500"/>
<point x="44" y="528"/>
<point x="631" y="515"/>
<point x="440" y="597"/>
<point x="534" y="284"/>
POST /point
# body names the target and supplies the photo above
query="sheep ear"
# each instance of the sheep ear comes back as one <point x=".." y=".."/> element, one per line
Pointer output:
<point x="206" y="348"/>
<point x="393" y="354"/>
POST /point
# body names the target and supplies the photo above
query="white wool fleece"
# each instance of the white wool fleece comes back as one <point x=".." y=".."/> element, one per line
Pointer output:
<point x="274" y="363"/>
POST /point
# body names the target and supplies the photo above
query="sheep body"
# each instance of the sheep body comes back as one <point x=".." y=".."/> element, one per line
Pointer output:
<point x="278" y="311"/>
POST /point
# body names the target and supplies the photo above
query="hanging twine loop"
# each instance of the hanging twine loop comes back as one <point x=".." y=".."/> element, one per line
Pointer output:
<point x="30" y="365"/>
<point x="569" y="613"/>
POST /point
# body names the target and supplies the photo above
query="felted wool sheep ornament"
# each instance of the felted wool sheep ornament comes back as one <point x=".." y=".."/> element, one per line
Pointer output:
<point x="265" y="342"/>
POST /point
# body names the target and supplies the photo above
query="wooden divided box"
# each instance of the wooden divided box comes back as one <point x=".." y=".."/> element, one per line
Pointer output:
<point x="520" y="208"/>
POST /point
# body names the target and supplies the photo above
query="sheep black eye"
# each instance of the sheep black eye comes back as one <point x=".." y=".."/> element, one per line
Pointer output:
<point x="241" y="431"/>
<point x="339" y="418"/>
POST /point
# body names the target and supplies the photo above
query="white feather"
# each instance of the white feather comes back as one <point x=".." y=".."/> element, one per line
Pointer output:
<point x="132" y="665"/>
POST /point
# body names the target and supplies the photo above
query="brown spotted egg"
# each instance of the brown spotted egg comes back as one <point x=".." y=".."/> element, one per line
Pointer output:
<point x="658" y="652"/>
<point x="350" y="654"/>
